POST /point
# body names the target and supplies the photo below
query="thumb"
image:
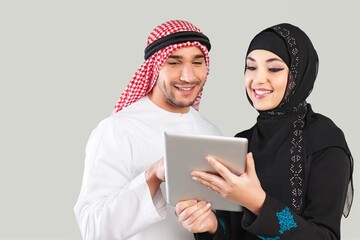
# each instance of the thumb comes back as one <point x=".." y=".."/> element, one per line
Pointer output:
<point x="250" y="164"/>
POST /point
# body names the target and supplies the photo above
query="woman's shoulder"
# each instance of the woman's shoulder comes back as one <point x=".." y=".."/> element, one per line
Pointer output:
<point x="321" y="125"/>
<point x="246" y="133"/>
<point x="322" y="132"/>
<point x="320" y="120"/>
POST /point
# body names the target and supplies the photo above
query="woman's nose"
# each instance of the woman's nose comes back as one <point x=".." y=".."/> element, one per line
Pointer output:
<point x="260" y="76"/>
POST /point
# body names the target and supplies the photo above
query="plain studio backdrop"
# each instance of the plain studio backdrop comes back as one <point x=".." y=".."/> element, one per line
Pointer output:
<point x="65" y="63"/>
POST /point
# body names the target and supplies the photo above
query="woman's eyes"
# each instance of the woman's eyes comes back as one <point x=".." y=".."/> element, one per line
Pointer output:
<point x="250" y="68"/>
<point x="275" y="69"/>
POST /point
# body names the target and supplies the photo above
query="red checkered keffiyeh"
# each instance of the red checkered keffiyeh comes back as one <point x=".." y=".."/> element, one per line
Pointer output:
<point x="145" y="77"/>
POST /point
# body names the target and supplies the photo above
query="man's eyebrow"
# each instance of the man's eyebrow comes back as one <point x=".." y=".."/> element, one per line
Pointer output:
<point x="176" y="56"/>
<point x="199" y="56"/>
<point x="180" y="57"/>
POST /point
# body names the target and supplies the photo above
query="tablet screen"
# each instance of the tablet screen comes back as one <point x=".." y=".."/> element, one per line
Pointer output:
<point x="185" y="153"/>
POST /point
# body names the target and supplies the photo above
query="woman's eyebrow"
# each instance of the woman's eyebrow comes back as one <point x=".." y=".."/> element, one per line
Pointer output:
<point x="268" y="60"/>
<point x="251" y="59"/>
<point x="274" y="60"/>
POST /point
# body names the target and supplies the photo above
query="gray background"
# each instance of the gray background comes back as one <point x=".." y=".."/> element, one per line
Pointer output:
<point x="65" y="63"/>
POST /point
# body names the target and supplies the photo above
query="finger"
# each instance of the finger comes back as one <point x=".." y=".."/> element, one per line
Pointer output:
<point x="202" y="207"/>
<point x="212" y="185"/>
<point x="215" y="189"/>
<point x="204" y="215"/>
<point x="250" y="163"/>
<point x="220" y="168"/>
<point x="207" y="179"/>
<point x="190" y="211"/>
<point x="199" y="221"/>
<point x="180" y="206"/>
<point x="160" y="169"/>
<point x="206" y="176"/>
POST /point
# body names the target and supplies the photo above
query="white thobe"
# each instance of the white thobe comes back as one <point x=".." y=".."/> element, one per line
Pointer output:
<point x="115" y="201"/>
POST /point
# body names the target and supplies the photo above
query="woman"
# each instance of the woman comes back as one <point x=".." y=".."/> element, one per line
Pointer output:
<point x="299" y="182"/>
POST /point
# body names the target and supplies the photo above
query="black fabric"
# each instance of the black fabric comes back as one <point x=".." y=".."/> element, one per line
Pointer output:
<point x="281" y="132"/>
<point x="303" y="65"/>
<point x="222" y="232"/>
<point x="301" y="158"/>
<point x="270" y="41"/>
<point x="178" y="37"/>
<point x="327" y="175"/>
<point x="322" y="133"/>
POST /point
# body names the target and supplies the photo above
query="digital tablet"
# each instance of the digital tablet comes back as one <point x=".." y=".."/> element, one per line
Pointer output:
<point x="185" y="153"/>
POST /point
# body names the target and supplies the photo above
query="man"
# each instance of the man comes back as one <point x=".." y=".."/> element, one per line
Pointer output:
<point x="121" y="197"/>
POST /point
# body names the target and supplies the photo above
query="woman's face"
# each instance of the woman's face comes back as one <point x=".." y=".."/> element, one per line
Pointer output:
<point x="266" y="78"/>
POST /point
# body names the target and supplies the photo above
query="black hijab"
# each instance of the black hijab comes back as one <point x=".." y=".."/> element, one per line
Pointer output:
<point x="287" y="131"/>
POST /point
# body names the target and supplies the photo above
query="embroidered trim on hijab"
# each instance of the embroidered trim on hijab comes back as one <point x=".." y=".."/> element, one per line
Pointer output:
<point x="163" y="41"/>
<point x="297" y="51"/>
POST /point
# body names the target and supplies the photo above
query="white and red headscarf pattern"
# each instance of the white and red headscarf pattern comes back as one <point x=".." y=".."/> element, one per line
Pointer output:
<point x="145" y="77"/>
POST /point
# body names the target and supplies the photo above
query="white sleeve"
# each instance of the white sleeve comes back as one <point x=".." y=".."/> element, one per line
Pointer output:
<point x="112" y="203"/>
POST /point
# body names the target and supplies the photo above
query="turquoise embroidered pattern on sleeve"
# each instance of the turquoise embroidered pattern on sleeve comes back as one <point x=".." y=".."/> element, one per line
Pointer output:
<point x="286" y="220"/>
<point x="268" y="238"/>
<point x="222" y="225"/>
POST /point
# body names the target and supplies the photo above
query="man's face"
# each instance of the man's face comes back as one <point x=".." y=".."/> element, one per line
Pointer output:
<point x="180" y="80"/>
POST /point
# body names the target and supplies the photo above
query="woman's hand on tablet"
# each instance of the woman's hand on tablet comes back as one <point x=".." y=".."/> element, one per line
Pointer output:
<point x="245" y="189"/>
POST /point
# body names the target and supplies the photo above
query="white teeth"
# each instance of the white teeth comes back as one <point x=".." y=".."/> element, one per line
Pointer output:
<point x="185" y="89"/>
<point x="262" y="92"/>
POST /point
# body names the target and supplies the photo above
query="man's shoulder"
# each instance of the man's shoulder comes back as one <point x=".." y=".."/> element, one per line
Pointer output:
<point x="119" y="120"/>
<point x="130" y="111"/>
<point x="205" y="122"/>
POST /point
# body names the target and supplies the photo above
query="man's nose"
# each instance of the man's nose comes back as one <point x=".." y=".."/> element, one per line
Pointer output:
<point x="187" y="74"/>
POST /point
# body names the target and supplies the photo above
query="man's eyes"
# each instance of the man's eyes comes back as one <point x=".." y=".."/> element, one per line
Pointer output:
<point x="198" y="62"/>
